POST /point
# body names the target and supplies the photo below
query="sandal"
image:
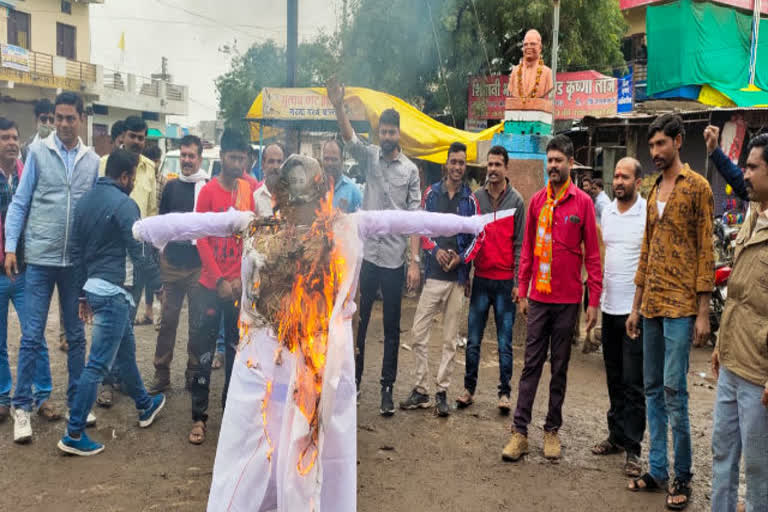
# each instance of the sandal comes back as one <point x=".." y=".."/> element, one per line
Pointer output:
<point x="144" y="321"/>
<point x="218" y="361"/>
<point x="48" y="412"/>
<point x="679" y="488"/>
<point x="197" y="434"/>
<point x="607" y="447"/>
<point x="633" y="467"/>
<point x="105" y="397"/>
<point x="649" y="484"/>
<point x="465" y="400"/>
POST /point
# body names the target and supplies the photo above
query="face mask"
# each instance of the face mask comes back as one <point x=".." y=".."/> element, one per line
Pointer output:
<point x="44" y="130"/>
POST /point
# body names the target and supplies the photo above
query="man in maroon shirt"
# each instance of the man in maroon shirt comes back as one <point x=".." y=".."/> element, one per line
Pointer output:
<point x="560" y="218"/>
<point x="220" y="286"/>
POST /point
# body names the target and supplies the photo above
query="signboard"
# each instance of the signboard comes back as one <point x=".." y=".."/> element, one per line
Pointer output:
<point x="747" y="5"/>
<point x="14" y="57"/>
<point x="486" y="97"/>
<point x="39" y="80"/>
<point x="475" y="125"/>
<point x="585" y="93"/>
<point x="304" y="104"/>
<point x="579" y="94"/>
<point x="626" y="97"/>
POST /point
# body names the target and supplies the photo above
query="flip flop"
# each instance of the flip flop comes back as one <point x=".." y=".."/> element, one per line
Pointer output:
<point x="144" y="321"/>
<point x="197" y="433"/>
<point x="651" y="485"/>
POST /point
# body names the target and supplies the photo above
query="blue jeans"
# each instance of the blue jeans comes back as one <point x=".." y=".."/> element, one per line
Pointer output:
<point x="499" y="294"/>
<point x="221" y="345"/>
<point x="740" y="428"/>
<point x="13" y="290"/>
<point x="112" y="340"/>
<point x="666" y="349"/>
<point x="38" y="289"/>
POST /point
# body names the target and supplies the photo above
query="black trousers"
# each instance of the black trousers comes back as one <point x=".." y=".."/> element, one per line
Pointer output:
<point x="390" y="281"/>
<point x="624" y="373"/>
<point x="205" y="308"/>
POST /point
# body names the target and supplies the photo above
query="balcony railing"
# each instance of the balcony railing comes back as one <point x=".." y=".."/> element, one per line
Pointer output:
<point x="143" y="86"/>
<point x="45" y="64"/>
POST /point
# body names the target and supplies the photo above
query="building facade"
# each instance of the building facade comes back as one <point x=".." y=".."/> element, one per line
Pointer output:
<point x="45" y="48"/>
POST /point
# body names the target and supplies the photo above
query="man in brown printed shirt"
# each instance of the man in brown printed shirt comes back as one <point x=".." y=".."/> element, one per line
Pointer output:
<point x="674" y="282"/>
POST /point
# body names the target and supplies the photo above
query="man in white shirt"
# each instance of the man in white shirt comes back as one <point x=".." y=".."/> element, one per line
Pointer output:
<point x="601" y="198"/>
<point x="271" y="160"/>
<point x="623" y="227"/>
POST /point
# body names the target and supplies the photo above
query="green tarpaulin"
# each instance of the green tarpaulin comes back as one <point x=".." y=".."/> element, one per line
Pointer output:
<point x="699" y="43"/>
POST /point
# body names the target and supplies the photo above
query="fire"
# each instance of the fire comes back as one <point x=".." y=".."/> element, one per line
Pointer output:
<point x="264" y="405"/>
<point x="304" y="320"/>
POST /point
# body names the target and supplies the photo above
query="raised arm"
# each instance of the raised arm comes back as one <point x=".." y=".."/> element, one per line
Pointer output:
<point x="731" y="172"/>
<point x="335" y="92"/>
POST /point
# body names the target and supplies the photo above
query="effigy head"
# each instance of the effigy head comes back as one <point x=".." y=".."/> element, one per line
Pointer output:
<point x="298" y="188"/>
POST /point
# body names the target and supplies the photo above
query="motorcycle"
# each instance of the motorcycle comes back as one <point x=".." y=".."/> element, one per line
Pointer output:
<point x="725" y="240"/>
<point x="717" y="302"/>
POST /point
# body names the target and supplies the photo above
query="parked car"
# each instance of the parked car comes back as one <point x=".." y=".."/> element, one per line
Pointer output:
<point x="171" y="165"/>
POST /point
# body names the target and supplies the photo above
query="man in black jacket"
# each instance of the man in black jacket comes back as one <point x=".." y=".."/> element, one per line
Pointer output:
<point x="102" y="235"/>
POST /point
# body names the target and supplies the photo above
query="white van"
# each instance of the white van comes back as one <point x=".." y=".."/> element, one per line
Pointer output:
<point x="171" y="166"/>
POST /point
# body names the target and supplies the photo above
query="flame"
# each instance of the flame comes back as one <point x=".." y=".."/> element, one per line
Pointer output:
<point x="303" y="323"/>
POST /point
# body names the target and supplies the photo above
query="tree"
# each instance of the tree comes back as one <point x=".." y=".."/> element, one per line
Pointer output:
<point x="264" y="65"/>
<point x="425" y="50"/>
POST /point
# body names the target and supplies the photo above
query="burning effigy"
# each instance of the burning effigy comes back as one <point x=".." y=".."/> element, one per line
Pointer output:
<point x="288" y="439"/>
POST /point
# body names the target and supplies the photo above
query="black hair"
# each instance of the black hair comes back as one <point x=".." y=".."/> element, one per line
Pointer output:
<point x="135" y="124"/>
<point x="70" y="98"/>
<point x="599" y="183"/>
<point x="43" y="106"/>
<point x="500" y="150"/>
<point x="390" y="117"/>
<point x="561" y="143"/>
<point x="118" y="128"/>
<point x="457" y="147"/>
<point x="761" y="141"/>
<point x="7" y="124"/>
<point x="233" y="141"/>
<point x="154" y="153"/>
<point x="189" y="140"/>
<point x="120" y="161"/>
<point x="670" y="125"/>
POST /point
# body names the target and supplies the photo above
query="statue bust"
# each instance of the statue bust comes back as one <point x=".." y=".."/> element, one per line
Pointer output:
<point x="530" y="78"/>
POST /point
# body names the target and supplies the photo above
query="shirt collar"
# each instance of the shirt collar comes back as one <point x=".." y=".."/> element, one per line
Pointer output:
<point x="60" y="145"/>
<point x="635" y="209"/>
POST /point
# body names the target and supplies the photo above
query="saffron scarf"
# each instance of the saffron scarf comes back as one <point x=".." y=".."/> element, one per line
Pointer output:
<point x="543" y="248"/>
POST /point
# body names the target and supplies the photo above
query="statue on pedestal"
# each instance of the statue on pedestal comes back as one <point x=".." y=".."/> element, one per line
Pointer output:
<point x="531" y="78"/>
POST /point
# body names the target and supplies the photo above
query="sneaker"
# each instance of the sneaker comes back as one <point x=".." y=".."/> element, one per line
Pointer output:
<point x="147" y="416"/>
<point x="22" y="426"/>
<point x="442" y="407"/>
<point x="415" y="400"/>
<point x="552" y="449"/>
<point x="505" y="405"/>
<point x="82" y="446"/>
<point x="387" y="405"/>
<point x="515" y="448"/>
<point x="158" y="385"/>
<point x="90" y="421"/>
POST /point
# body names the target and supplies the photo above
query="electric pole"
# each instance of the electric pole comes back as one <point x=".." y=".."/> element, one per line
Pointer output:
<point x="293" y="41"/>
<point x="555" y="41"/>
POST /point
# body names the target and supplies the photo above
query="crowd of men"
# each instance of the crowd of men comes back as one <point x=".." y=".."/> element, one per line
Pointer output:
<point x="67" y="218"/>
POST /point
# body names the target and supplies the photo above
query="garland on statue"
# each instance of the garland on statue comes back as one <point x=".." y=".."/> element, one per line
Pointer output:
<point x="533" y="93"/>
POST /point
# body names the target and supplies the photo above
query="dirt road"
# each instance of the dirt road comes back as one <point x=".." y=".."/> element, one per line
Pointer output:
<point x="413" y="461"/>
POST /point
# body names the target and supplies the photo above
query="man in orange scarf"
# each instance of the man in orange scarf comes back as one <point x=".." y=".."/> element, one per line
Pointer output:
<point x="560" y="218"/>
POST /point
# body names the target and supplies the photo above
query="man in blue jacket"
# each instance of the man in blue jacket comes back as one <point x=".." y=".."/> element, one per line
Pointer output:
<point x="59" y="170"/>
<point x="731" y="173"/>
<point x="447" y="282"/>
<point x="101" y="237"/>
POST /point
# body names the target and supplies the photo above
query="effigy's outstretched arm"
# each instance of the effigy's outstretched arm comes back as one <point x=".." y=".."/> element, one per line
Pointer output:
<point x="177" y="227"/>
<point x="398" y="222"/>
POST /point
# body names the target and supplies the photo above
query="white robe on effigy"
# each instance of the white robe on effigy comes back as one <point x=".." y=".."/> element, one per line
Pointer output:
<point x="256" y="467"/>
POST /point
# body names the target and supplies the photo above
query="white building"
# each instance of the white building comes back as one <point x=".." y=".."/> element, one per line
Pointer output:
<point x="45" y="48"/>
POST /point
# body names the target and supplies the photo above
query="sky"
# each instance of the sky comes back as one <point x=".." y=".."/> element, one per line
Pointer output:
<point x="191" y="34"/>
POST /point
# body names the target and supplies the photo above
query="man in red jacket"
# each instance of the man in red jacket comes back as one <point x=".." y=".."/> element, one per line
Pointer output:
<point x="220" y="286"/>
<point x="560" y="218"/>
<point x="496" y="256"/>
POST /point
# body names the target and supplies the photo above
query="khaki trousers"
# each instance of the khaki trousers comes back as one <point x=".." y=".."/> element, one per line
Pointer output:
<point x="446" y="297"/>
